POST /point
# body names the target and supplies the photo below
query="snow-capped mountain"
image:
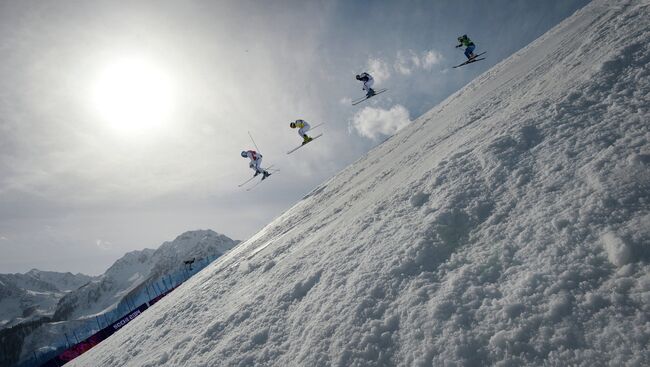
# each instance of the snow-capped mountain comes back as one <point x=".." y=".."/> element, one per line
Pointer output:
<point x="137" y="267"/>
<point x="74" y="299"/>
<point x="33" y="294"/>
<point x="27" y="301"/>
<point x="507" y="226"/>
<point x="62" y="281"/>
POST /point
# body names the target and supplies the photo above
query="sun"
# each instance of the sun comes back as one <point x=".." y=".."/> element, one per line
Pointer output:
<point x="133" y="95"/>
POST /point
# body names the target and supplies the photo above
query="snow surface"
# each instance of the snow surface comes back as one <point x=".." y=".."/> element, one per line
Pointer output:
<point x="508" y="226"/>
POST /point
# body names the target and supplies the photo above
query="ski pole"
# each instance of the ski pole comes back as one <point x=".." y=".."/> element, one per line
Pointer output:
<point x="251" y="136"/>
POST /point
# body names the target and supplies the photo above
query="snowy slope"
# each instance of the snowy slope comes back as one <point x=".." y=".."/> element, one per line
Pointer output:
<point x="508" y="226"/>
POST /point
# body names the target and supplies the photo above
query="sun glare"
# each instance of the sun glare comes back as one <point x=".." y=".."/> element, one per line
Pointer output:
<point x="133" y="96"/>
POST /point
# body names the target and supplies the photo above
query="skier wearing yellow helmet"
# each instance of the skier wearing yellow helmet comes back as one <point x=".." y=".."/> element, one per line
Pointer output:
<point x="303" y="127"/>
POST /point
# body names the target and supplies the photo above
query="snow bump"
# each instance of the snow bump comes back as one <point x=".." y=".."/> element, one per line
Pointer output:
<point x="618" y="252"/>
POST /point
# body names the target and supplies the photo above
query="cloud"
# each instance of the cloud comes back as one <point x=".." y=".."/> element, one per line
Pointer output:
<point x="402" y="64"/>
<point x="378" y="69"/>
<point x="345" y="100"/>
<point x="374" y="123"/>
<point x="409" y="61"/>
<point x="431" y="58"/>
<point x="104" y="245"/>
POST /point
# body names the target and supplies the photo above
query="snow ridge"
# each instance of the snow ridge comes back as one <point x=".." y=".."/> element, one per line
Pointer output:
<point x="507" y="226"/>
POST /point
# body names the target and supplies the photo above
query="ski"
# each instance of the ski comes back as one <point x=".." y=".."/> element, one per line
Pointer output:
<point x="251" y="179"/>
<point x="474" y="59"/>
<point x="356" y="102"/>
<point x="302" y="145"/>
<point x="469" y="62"/>
<point x="260" y="181"/>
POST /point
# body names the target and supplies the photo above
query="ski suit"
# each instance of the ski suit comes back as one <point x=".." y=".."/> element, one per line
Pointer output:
<point x="470" y="46"/>
<point x="256" y="161"/>
<point x="368" y="81"/>
<point x="304" y="127"/>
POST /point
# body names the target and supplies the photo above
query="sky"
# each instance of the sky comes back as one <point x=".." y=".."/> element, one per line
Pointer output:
<point x="121" y="127"/>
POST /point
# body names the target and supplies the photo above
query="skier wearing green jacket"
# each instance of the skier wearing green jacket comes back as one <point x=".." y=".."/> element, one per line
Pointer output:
<point x="469" y="50"/>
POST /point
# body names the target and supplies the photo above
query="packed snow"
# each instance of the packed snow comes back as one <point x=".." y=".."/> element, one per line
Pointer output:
<point x="508" y="226"/>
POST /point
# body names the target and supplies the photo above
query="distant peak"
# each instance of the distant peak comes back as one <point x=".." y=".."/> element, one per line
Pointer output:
<point x="198" y="233"/>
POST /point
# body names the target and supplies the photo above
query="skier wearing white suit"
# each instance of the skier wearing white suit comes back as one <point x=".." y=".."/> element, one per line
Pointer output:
<point x="256" y="162"/>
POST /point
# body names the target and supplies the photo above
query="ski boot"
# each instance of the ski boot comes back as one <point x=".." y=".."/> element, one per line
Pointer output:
<point x="371" y="92"/>
<point x="265" y="175"/>
<point x="306" y="139"/>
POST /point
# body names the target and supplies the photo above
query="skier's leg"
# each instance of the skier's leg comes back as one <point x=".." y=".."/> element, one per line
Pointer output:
<point x="258" y="165"/>
<point x="260" y="169"/>
<point x="367" y="86"/>
<point x="253" y="167"/>
<point x="303" y="132"/>
<point x="469" y="51"/>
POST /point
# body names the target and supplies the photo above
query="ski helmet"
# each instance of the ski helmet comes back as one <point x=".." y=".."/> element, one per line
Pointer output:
<point x="292" y="125"/>
<point x="358" y="77"/>
<point x="244" y="154"/>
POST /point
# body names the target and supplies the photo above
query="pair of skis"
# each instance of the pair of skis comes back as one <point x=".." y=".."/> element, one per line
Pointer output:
<point x="357" y="101"/>
<point x="268" y="169"/>
<point x="473" y="59"/>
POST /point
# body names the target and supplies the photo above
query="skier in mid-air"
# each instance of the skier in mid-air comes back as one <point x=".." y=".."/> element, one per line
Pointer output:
<point x="256" y="162"/>
<point x="303" y="127"/>
<point x="470" y="46"/>
<point x="368" y="81"/>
